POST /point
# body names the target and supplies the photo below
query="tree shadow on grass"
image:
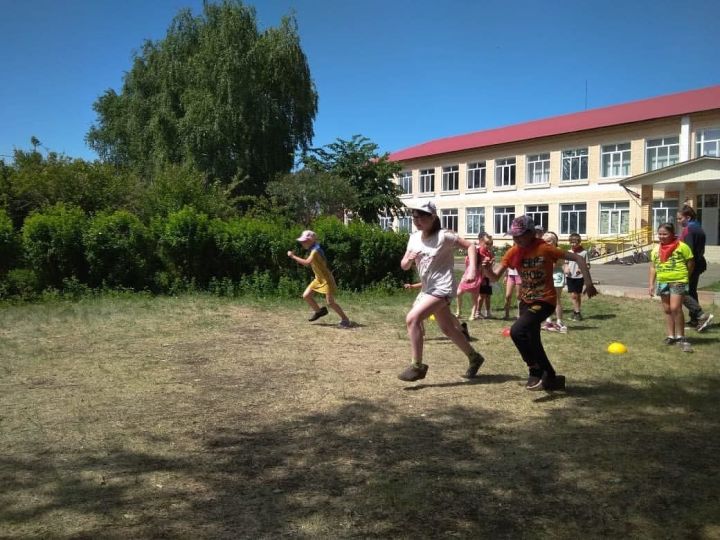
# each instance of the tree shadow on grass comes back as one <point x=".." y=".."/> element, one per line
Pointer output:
<point x="623" y="461"/>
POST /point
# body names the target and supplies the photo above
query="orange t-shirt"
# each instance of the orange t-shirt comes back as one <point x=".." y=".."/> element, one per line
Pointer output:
<point x="536" y="272"/>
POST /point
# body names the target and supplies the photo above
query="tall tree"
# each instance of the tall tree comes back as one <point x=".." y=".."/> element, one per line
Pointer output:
<point x="215" y="93"/>
<point x="368" y="172"/>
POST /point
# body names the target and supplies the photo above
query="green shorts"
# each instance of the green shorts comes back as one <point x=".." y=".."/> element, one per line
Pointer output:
<point x="664" y="289"/>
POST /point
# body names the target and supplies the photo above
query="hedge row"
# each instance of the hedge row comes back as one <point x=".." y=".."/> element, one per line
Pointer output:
<point x="63" y="247"/>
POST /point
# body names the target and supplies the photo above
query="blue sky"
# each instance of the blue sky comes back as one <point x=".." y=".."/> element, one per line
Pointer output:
<point x="398" y="72"/>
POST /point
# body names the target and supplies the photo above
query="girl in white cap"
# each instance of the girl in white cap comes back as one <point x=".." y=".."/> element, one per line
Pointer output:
<point x="432" y="250"/>
<point x="324" y="282"/>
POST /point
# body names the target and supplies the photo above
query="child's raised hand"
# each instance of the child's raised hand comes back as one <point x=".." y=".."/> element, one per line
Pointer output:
<point x="290" y="254"/>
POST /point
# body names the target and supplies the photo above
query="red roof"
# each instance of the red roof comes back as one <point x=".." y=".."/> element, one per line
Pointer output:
<point x="635" y="111"/>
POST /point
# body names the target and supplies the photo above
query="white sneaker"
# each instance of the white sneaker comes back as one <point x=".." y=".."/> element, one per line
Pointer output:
<point x="704" y="321"/>
<point x="561" y="328"/>
<point x="685" y="345"/>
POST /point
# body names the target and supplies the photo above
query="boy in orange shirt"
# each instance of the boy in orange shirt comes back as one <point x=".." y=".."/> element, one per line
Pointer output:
<point x="534" y="260"/>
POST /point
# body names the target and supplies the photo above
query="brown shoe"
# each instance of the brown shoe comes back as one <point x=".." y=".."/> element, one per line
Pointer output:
<point x="413" y="373"/>
<point x="474" y="366"/>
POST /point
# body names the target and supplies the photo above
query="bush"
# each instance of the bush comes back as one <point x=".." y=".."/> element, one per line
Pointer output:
<point x="9" y="248"/>
<point x="21" y="284"/>
<point x="119" y="250"/>
<point x="187" y="246"/>
<point x="52" y="241"/>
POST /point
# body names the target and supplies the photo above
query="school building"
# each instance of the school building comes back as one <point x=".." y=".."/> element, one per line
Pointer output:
<point x="601" y="172"/>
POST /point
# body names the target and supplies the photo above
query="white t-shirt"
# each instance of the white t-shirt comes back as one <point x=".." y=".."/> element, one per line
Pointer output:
<point x="573" y="267"/>
<point x="435" y="262"/>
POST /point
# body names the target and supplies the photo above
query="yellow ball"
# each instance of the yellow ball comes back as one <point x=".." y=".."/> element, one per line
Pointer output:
<point x="432" y="317"/>
<point x="616" y="348"/>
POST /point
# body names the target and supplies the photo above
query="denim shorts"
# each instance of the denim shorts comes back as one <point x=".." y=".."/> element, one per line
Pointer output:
<point x="664" y="289"/>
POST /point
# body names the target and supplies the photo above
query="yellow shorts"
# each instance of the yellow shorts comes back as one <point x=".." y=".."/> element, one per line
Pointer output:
<point x="323" y="287"/>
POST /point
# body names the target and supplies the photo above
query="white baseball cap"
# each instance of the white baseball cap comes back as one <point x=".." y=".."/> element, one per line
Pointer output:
<point x="423" y="206"/>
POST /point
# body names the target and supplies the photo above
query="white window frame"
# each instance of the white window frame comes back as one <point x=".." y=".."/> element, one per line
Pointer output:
<point x="615" y="160"/>
<point x="664" y="211"/>
<point x="476" y="175"/>
<point x="540" y="214"/>
<point x="386" y="222"/>
<point x="707" y="142"/>
<point x="474" y="220"/>
<point x="427" y="181"/>
<point x="661" y="152"/>
<point x="538" y="169"/>
<point x="505" y="172"/>
<point x="449" y="217"/>
<point x="574" y="164"/>
<point x="405" y="224"/>
<point x="451" y="178"/>
<point x="502" y="218"/>
<point x="613" y="218"/>
<point x="573" y="218"/>
<point x="405" y="182"/>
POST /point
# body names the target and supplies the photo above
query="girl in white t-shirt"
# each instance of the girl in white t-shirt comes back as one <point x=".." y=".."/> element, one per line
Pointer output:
<point x="432" y="250"/>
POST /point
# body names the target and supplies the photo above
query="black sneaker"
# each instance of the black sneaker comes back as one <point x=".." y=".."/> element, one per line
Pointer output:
<point x="547" y="382"/>
<point x="578" y="316"/>
<point x="463" y="327"/>
<point x="669" y="341"/>
<point x="319" y="313"/>
<point x="533" y="382"/>
<point x="413" y="373"/>
<point x="474" y="366"/>
<point x="704" y="321"/>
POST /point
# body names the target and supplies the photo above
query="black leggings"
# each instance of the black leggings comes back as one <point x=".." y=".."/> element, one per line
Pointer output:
<point x="525" y="333"/>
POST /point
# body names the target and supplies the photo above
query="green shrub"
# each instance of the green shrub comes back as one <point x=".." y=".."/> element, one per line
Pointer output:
<point x="187" y="246"/>
<point x="9" y="248"/>
<point x="119" y="250"/>
<point x="52" y="241"/>
<point x="21" y="284"/>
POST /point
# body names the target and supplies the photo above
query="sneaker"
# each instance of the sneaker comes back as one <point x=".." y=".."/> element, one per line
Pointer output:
<point x="560" y="327"/>
<point x="670" y="340"/>
<point x="552" y="327"/>
<point x="463" y="327"/>
<point x="533" y="382"/>
<point x="319" y="313"/>
<point x="548" y="326"/>
<point x="345" y="324"/>
<point x="685" y="345"/>
<point x="704" y="322"/>
<point x="474" y="366"/>
<point x="413" y="373"/>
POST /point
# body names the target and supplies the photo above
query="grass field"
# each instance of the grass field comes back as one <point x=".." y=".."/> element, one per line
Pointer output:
<point x="209" y="418"/>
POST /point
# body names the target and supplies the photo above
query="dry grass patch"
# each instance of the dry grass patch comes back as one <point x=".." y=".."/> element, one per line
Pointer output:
<point x="195" y="416"/>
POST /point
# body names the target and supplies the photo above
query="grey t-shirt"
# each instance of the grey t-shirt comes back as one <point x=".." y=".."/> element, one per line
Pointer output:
<point x="435" y="262"/>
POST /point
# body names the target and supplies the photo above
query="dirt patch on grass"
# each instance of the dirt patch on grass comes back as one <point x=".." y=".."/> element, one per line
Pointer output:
<point x="200" y="417"/>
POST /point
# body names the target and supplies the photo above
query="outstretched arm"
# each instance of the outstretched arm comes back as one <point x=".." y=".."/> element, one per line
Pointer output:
<point x="472" y="268"/>
<point x="299" y="260"/>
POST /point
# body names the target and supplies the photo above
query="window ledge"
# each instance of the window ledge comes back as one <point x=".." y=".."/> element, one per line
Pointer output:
<point x="505" y="188"/>
<point x="406" y="196"/>
<point x="476" y="190"/>
<point x="544" y="185"/>
<point x="611" y="179"/>
<point x="573" y="183"/>
<point x="448" y="193"/>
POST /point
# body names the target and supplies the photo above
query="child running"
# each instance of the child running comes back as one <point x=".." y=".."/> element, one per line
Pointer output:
<point x="535" y="259"/>
<point x="672" y="263"/>
<point x="485" y="243"/>
<point x="324" y="282"/>
<point x="462" y="326"/>
<point x="432" y="249"/>
<point x="559" y="284"/>
<point x="467" y="286"/>
<point x="575" y="281"/>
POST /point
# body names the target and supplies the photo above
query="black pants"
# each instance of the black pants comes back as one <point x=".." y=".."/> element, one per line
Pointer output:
<point x="690" y="300"/>
<point x="525" y="333"/>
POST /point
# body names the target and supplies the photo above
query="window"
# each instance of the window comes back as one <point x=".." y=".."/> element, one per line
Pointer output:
<point x="476" y="175"/>
<point x="661" y="152"/>
<point x="573" y="218"/>
<point x="540" y="214"/>
<point x="427" y="181"/>
<point x="707" y="143"/>
<point x="538" y="167"/>
<point x="615" y="159"/>
<point x="664" y="212"/>
<point x="451" y="178"/>
<point x="386" y="222"/>
<point x="406" y="182"/>
<point x="405" y="224"/>
<point x="614" y="218"/>
<point x="505" y="172"/>
<point x="450" y="219"/>
<point x="575" y="164"/>
<point x="474" y="220"/>
<point x="503" y="218"/>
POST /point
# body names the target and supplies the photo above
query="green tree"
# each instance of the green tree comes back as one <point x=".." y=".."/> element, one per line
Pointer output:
<point x="215" y="93"/>
<point x="307" y="194"/>
<point x="369" y="173"/>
